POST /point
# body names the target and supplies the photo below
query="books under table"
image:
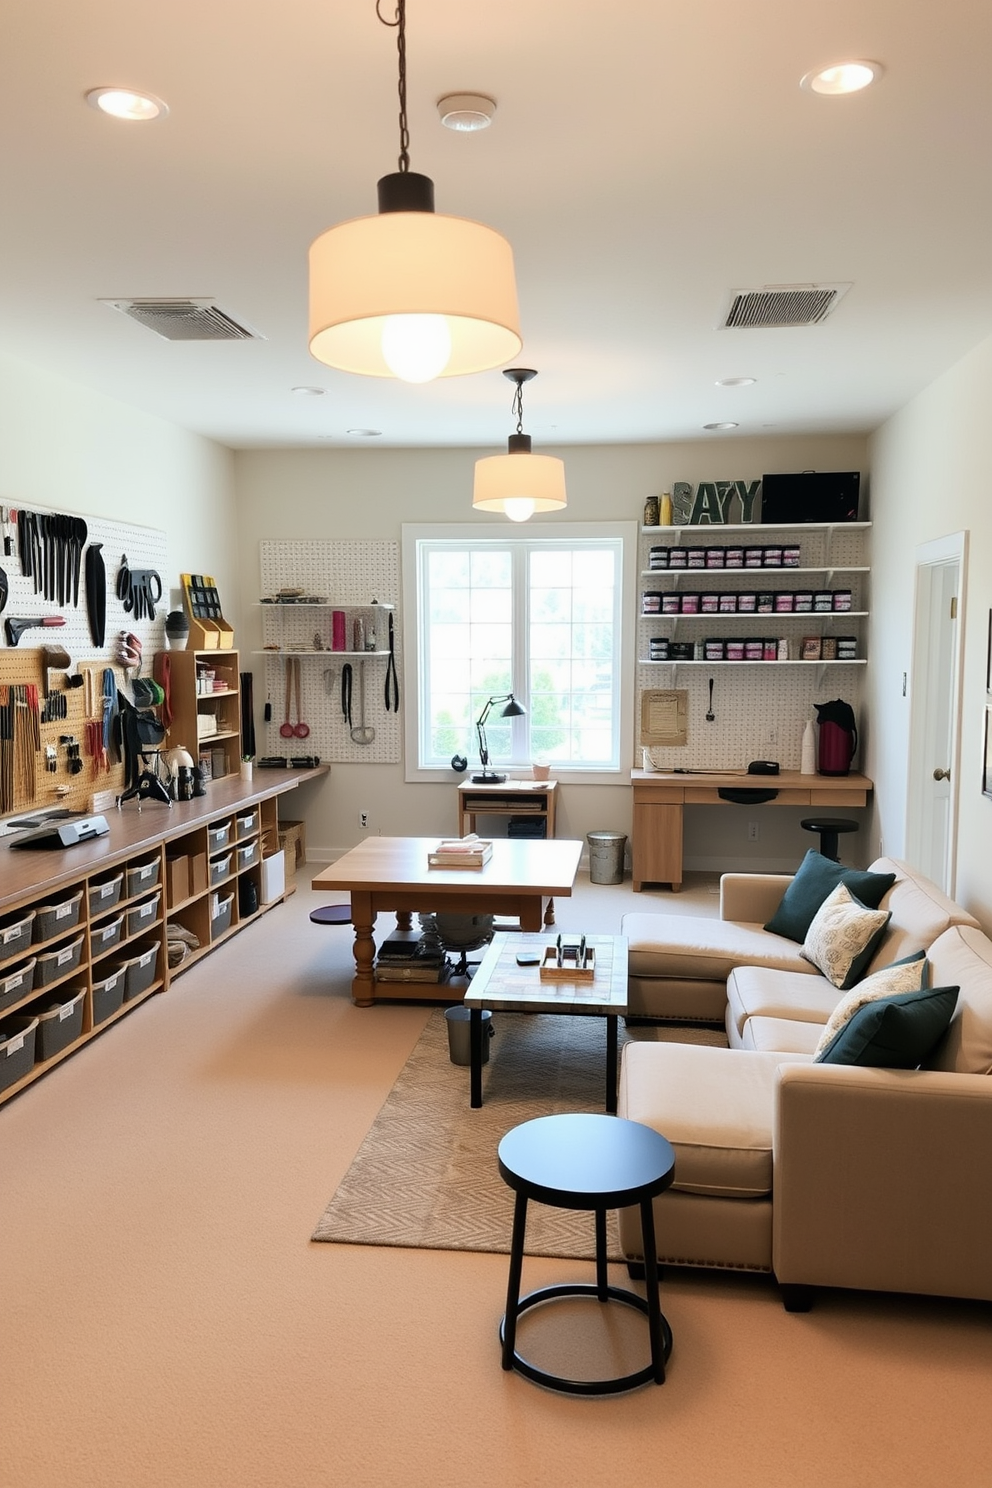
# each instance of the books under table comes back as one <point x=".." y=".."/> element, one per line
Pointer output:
<point x="461" y="852"/>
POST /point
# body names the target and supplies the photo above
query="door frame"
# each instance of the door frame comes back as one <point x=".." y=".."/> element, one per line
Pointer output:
<point x="929" y="557"/>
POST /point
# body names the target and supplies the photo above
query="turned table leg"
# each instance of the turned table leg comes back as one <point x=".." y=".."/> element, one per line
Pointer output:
<point x="363" y="918"/>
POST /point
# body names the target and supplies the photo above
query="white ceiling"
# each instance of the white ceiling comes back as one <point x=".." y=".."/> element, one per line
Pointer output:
<point x="647" y="157"/>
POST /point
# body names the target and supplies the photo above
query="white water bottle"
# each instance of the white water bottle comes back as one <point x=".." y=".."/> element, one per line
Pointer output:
<point x="808" y="766"/>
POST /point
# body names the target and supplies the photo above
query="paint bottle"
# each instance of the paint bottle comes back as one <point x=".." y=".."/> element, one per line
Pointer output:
<point x="808" y="766"/>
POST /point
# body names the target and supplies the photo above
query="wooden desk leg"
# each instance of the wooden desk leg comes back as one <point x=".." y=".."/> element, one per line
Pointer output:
<point x="363" y="919"/>
<point x="549" y="914"/>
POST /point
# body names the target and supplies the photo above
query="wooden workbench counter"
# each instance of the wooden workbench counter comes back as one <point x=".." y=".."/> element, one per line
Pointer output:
<point x="660" y="797"/>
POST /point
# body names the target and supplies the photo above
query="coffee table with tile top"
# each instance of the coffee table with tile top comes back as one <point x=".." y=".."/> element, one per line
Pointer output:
<point x="500" y="983"/>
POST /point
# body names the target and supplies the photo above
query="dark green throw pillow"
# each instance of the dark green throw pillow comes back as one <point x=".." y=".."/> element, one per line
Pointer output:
<point x="816" y="878"/>
<point x="894" y="1032"/>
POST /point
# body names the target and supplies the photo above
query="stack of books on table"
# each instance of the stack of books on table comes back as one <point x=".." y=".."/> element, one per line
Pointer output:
<point x="404" y="957"/>
<point x="461" y="852"/>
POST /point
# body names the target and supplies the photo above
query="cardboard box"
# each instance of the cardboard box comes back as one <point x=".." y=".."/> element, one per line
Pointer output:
<point x="177" y="879"/>
<point x="273" y="878"/>
<point x="198" y="873"/>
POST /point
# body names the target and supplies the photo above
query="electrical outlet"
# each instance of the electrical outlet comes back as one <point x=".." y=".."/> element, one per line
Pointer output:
<point x="752" y="831"/>
<point x="773" y="736"/>
<point x="363" y="818"/>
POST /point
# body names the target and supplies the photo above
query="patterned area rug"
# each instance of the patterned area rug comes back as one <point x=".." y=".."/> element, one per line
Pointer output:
<point x="426" y="1175"/>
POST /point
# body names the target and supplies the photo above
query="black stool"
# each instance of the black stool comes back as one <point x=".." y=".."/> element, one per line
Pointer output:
<point x="332" y="914"/>
<point x="829" y="828"/>
<point x="597" y="1163"/>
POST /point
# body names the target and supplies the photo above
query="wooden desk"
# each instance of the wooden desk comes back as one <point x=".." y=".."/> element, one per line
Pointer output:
<point x="661" y="796"/>
<point x="391" y="873"/>
<point x="517" y="797"/>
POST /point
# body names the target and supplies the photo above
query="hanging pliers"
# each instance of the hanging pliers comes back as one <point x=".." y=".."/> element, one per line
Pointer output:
<point x="392" y="683"/>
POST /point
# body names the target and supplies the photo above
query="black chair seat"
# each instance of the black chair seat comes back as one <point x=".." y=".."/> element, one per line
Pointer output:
<point x="829" y="828"/>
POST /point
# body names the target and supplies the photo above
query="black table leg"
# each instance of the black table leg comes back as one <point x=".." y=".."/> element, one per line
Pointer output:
<point x="655" y="1331"/>
<point x="611" y="1064"/>
<point x="602" y="1276"/>
<point x="475" y="1042"/>
<point x="513" y="1281"/>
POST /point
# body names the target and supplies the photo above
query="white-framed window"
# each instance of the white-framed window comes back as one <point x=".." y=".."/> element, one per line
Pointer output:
<point x="545" y="615"/>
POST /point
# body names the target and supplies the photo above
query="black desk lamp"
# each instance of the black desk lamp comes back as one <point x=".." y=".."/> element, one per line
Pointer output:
<point x="512" y="710"/>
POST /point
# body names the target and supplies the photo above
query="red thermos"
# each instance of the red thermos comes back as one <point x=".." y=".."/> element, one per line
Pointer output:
<point x="838" y="737"/>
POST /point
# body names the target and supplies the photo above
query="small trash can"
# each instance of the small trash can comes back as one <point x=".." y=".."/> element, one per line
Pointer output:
<point x="606" y="851"/>
<point x="460" y="1034"/>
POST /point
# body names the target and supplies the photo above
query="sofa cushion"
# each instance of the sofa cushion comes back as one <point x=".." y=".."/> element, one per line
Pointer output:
<point x="842" y="938"/>
<point x="894" y="1032"/>
<point x="920" y="912"/>
<point x="753" y="992"/>
<point x="904" y="976"/>
<point x="815" y="879"/>
<point x="689" y="946"/>
<point x="780" y="1035"/>
<point x="963" y="956"/>
<point x="715" y="1106"/>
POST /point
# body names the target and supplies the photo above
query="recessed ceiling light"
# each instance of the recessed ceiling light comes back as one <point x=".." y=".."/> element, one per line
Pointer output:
<point x="735" y="381"/>
<point x="365" y="433"/>
<point x="308" y="392"/>
<point x="842" y="77"/>
<point x="466" y="112"/>
<point x="721" y="426"/>
<point x="122" y="103"/>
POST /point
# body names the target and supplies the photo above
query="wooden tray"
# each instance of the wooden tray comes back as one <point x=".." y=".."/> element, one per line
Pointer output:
<point x="552" y="972"/>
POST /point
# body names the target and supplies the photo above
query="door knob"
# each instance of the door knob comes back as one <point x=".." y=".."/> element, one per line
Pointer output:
<point x="941" y="774"/>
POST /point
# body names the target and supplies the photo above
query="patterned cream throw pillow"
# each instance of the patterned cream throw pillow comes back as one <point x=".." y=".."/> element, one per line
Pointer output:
<point x="903" y="976"/>
<point x="843" y="937"/>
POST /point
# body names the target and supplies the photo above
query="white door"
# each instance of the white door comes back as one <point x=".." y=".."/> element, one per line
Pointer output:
<point x="931" y="813"/>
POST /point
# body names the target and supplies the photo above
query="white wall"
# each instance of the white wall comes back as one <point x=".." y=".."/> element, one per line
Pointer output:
<point x="369" y="493"/>
<point x="65" y="447"/>
<point x="930" y="477"/>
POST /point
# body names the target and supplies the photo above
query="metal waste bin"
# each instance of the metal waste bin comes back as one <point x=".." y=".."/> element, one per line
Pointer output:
<point x="606" y="851"/>
<point x="460" y="1034"/>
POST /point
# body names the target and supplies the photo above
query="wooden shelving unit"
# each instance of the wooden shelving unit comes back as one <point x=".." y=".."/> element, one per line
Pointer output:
<point x="191" y="706"/>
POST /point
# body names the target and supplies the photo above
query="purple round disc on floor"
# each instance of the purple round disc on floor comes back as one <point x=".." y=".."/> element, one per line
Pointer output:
<point x="332" y="914"/>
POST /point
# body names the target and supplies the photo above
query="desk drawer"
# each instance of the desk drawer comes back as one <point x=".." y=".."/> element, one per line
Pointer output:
<point x="651" y="795"/>
<point x="850" y="797"/>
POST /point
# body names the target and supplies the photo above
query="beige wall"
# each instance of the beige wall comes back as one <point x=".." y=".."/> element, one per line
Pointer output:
<point x="930" y="477"/>
<point x="64" y="447"/>
<point x="369" y="493"/>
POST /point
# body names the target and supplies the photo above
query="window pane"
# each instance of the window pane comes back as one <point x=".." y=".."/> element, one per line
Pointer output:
<point x="447" y="569"/>
<point x="491" y="568"/>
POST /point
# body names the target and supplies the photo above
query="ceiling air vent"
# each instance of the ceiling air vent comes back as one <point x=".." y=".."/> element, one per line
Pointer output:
<point x="184" y="320"/>
<point x="777" y="305"/>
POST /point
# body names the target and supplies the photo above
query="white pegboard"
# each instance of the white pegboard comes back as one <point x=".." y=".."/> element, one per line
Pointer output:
<point x="760" y="709"/>
<point x="145" y="547"/>
<point x="349" y="576"/>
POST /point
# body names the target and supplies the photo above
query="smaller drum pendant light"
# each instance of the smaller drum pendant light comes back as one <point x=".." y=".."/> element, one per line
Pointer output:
<point x="410" y="293"/>
<point x="519" y="483"/>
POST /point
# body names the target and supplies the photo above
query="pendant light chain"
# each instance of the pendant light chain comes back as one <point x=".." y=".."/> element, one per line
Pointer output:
<point x="400" y="26"/>
<point x="517" y="407"/>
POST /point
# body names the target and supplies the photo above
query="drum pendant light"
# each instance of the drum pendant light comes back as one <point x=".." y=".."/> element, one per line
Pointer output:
<point x="410" y="293"/>
<point x="519" y="483"/>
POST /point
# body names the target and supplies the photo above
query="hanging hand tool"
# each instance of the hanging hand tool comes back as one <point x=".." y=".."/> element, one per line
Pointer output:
<point x="362" y="733"/>
<point x="96" y="594"/>
<point x="392" y="683"/>
<point x="286" y="729"/>
<point x="302" y="730"/>
<point x="4" y="590"/>
<point x="16" y="625"/>
<point x="346" y="692"/>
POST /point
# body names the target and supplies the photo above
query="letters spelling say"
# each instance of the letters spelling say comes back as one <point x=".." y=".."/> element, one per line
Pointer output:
<point x="712" y="502"/>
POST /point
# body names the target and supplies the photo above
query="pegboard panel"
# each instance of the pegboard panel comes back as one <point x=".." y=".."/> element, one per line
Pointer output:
<point x="345" y="576"/>
<point x="760" y="709"/>
<point x="145" y="547"/>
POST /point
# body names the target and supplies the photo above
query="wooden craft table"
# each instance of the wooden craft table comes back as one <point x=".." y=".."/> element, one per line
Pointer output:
<point x="660" y="797"/>
<point x="391" y="873"/>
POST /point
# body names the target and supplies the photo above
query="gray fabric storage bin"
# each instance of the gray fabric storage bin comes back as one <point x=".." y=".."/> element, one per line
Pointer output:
<point x="245" y="825"/>
<point x="104" y="896"/>
<point x="57" y="919"/>
<point x="16" y="935"/>
<point x="60" y="1023"/>
<point x="16" y="984"/>
<point x="218" y="836"/>
<point x="247" y="855"/>
<point x="108" y="994"/>
<point x="221" y="921"/>
<point x="220" y="868"/>
<point x="17" y="1045"/>
<point x="139" y="971"/>
<point x="142" y="876"/>
<point x="143" y="915"/>
<point x="105" y="937"/>
<point x="58" y="963"/>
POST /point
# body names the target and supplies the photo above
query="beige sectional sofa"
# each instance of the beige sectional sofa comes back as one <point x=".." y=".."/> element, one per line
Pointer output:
<point x="824" y="1174"/>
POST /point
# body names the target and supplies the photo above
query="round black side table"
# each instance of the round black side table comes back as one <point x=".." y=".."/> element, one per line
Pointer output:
<point x="596" y="1163"/>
